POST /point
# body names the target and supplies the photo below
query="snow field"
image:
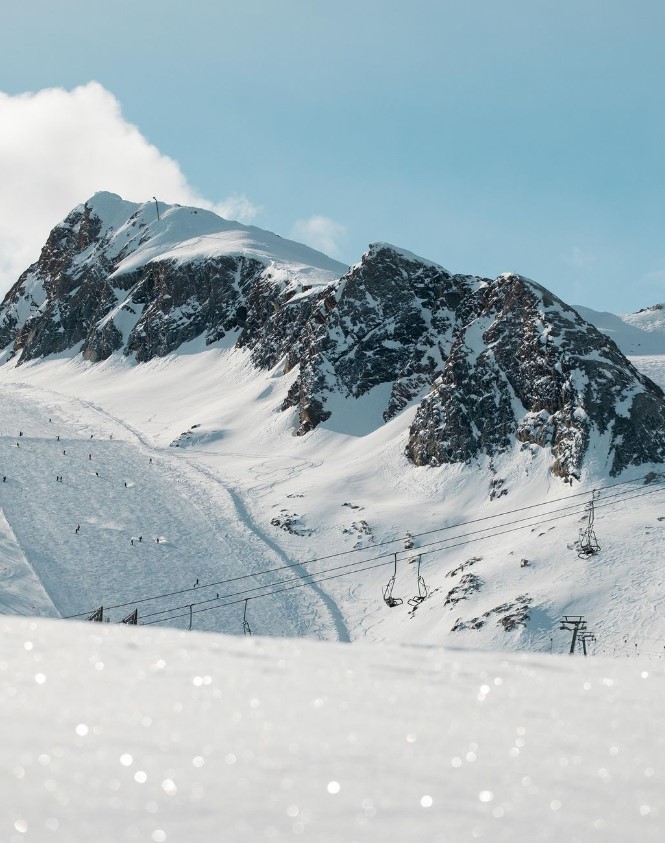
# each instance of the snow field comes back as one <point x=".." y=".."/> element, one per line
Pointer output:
<point x="160" y="735"/>
<point x="21" y="592"/>
<point x="334" y="490"/>
<point x="126" y="521"/>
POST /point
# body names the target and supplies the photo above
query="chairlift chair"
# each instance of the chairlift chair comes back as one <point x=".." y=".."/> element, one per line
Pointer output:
<point x="423" y="591"/>
<point x="391" y="601"/>
<point x="245" y="623"/>
<point x="588" y="543"/>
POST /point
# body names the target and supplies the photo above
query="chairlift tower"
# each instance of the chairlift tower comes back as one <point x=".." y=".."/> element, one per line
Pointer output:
<point x="587" y="637"/>
<point x="574" y="624"/>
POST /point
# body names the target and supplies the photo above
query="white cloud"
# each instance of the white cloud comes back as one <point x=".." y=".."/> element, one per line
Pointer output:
<point x="320" y="233"/>
<point x="236" y="207"/>
<point x="57" y="148"/>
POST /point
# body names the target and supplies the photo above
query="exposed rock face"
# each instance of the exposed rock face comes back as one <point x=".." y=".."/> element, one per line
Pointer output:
<point x="489" y="363"/>
<point x="390" y="320"/>
<point x="525" y="366"/>
<point x="51" y="306"/>
<point x="113" y="277"/>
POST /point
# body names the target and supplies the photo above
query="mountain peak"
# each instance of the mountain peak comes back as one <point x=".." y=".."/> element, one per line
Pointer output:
<point x="375" y="250"/>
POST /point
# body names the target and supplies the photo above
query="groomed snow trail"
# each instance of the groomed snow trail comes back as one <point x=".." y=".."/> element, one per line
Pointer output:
<point x="127" y="521"/>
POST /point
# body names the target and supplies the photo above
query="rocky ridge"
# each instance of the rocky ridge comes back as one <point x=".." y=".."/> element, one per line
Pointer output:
<point x="491" y="364"/>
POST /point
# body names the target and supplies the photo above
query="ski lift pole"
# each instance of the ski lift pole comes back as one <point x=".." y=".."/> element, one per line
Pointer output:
<point x="191" y="612"/>
<point x="156" y="206"/>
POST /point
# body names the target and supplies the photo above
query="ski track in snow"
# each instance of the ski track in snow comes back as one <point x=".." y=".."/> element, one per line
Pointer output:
<point x="205" y="531"/>
<point x="333" y="610"/>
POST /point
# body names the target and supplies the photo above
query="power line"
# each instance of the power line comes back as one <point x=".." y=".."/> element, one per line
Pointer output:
<point x="393" y="541"/>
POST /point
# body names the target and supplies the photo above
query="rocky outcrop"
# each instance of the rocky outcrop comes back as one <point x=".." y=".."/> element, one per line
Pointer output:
<point x="524" y="366"/>
<point x="53" y="304"/>
<point x="113" y="277"/>
<point x="390" y="320"/>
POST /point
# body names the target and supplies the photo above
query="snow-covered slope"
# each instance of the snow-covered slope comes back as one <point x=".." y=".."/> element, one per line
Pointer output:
<point x="170" y="737"/>
<point x="236" y="497"/>
<point x="135" y="235"/>
<point x="459" y="421"/>
<point x="636" y="334"/>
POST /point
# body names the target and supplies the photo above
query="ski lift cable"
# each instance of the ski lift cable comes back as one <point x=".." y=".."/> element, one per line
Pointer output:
<point x="357" y="550"/>
<point x="269" y="594"/>
<point x="269" y="585"/>
<point x="607" y="501"/>
<point x="301" y="583"/>
<point x="436" y="546"/>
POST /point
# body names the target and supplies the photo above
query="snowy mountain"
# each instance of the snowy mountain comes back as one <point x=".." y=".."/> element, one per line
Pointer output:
<point x="234" y="417"/>
<point x="490" y="363"/>
<point x="636" y="334"/>
<point x="114" y="276"/>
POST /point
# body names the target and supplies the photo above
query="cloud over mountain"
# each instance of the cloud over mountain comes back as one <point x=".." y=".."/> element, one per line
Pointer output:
<point x="57" y="147"/>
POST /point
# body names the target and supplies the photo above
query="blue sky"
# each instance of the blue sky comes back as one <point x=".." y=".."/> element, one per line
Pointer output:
<point x="488" y="136"/>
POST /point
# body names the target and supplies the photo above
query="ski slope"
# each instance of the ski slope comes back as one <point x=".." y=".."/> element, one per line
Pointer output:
<point x="241" y="494"/>
<point x="125" y="521"/>
<point x="169" y="737"/>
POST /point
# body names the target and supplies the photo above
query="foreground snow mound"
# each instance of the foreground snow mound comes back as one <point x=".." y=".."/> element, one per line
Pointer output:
<point x="127" y="734"/>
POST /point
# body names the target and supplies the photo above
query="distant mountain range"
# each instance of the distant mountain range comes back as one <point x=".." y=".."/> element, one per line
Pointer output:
<point x="491" y="364"/>
<point x="636" y="334"/>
